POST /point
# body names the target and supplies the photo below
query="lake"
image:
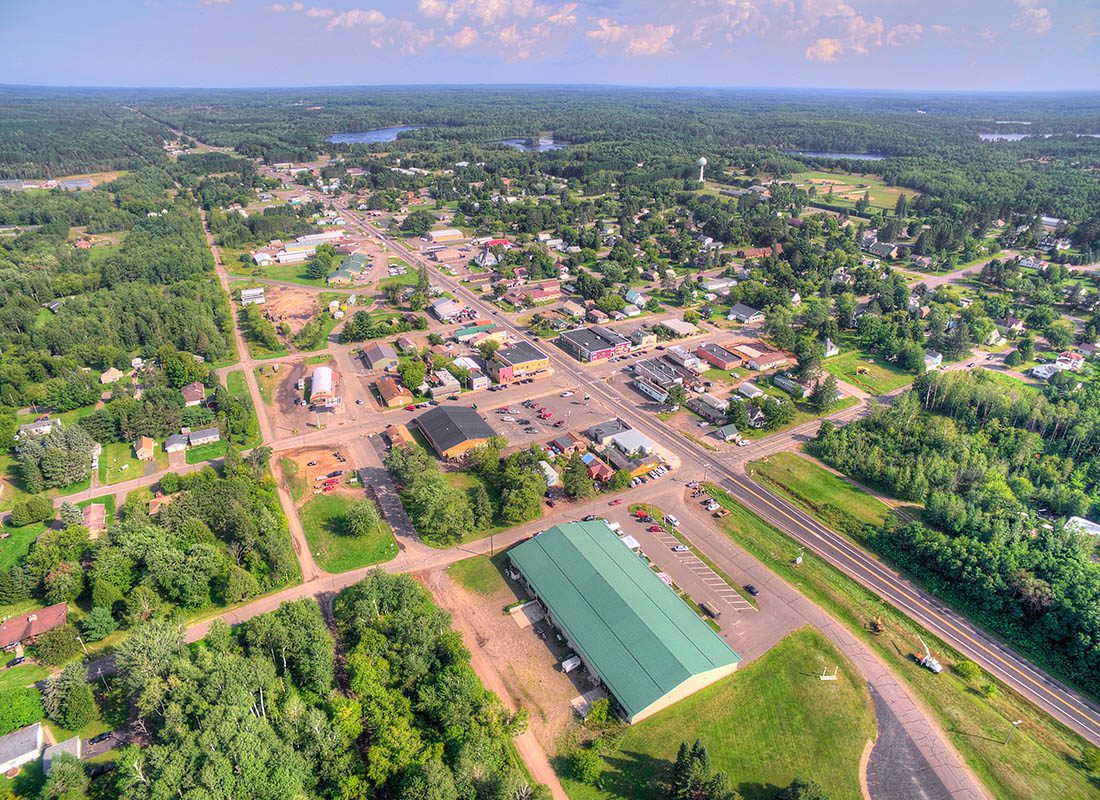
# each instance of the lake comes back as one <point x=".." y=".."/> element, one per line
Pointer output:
<point x="850" y="156"/>
<point x="543" y="146"/>
<point x="1016" y="137"/>
<point x="369" y="137"/>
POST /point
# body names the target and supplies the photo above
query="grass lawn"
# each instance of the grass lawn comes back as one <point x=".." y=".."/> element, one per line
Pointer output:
<point x="118" y="463"/>
<point x="27" y="783"/>
<point x="866" y="372"/>
<point x="18" y="543"/>
<point x="236" y="385"/>
<point x="883" y="196"/>
<point x="322" y="519"/>
<point x="766" y="724"/>
<point x="293" y="479"/>
<point x="292" y="273"/>
<point x="23" y="675"/>
<point x="408" y="279"/>
<point x="802" y="413"/>
<point x="1041" y="760"/>
<point x="479" y="574"/>
<point x="205" y="452"/>
<point x="13" y="482"/>
<point x="268" y="382"/>
<point x="830" y="497"/>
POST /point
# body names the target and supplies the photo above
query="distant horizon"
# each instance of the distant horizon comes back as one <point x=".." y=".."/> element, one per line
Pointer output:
<point x="919" y="45"/>
<point x="559" y="85"/>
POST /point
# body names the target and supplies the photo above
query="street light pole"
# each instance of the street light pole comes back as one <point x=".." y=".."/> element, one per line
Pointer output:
<point x="1015" y="725"/>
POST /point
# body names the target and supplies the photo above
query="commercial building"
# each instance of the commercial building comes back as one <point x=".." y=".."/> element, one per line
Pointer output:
<point x="322" y="388"/>
<point x="602" y="432"/>
<point x="630" y="630"/>
<point x="678" y="327"/>
<point x="519" y="362"/>
<point x="351" y="269"/>
<point x="594" y="343"/>
<point x="379" y="355"/>
<point x="717" y="356"/>
<point x="445" y="310"/>
<point x="252" y="297"/>
<point x="650" y="389"/>
<point x="445" y="235"/>
<point x="707" y="405"/>
<point x="453" y="431"/>
<point x="444" y="383"/>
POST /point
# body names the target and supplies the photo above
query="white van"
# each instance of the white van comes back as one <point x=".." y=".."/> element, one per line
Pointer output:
<point x="671" y="520"/>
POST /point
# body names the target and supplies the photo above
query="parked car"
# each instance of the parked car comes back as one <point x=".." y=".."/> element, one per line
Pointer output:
<point x="618" y="501"/>
<point x="655" y="529"/>
<point x="752" y="589"/>
<point x="588" y="518"/>
<point x="15" y="662"/>
<point x="681" y="548"/>
<point x="102" y="737"/>
<point x="566" y="394"/>
<point x="410" y="408"/>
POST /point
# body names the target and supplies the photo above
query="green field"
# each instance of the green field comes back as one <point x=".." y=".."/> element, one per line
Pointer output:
<point x="767" y="724"/>
<point x="18" y="543"/>
<point x="292" y="273"/>
<point x="205" y="452"/>
<point x="293" y="479"/>
<point x="872" y="375"/>
<point x="883" y="196"/>
<point x="827" y="496"/>
<point x="1043" y="759"/>
<point x="268" y="382"/>
<point x="479" y="574"/>
<point x="322" y="519"/>
<point x="802" y="413"/>
<point x="118" y="463"/>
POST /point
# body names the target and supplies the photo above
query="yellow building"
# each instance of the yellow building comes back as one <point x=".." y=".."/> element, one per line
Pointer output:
<point x="519" y="362"/>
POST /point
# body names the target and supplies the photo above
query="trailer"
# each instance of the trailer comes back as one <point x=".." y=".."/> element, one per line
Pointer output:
<point x="571" y="663"/>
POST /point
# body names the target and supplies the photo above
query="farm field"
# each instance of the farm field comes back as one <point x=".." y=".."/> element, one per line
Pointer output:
<point x="823" y="728"/>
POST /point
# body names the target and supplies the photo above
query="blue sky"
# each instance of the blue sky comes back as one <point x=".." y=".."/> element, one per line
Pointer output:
<point x="924" y="44"/>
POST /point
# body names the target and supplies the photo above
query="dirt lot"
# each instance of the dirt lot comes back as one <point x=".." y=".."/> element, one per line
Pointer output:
<point x="290" y="306"/>
<point x="325" y="461"/>
<point x="285" y="414"/>
<point x="527" y="665"/>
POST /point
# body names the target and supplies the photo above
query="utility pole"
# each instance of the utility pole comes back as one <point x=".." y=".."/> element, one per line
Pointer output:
<point x="1015" y="725"/>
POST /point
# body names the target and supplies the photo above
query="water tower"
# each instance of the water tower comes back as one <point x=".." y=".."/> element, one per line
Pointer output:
<point x="702" y="162"/>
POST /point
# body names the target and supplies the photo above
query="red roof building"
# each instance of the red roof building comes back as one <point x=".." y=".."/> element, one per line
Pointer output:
<point x="32" y="624"/>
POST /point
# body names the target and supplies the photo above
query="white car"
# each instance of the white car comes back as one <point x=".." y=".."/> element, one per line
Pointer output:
<point x="566" y="394"/>
<point x="671" y="520"/>
<point x="743" y="443"/>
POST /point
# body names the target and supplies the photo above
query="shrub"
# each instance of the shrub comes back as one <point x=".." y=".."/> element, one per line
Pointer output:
<point x="967" y="670"/>
<point x="32" y="510"/>
<point x="587" y="765"/>
<point x="19" y="708"/>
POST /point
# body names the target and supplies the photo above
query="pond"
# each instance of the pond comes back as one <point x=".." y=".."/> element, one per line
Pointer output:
<point x="824" y="154"/>
<point x="543" y="145"/>
<point x="369" y="137"/>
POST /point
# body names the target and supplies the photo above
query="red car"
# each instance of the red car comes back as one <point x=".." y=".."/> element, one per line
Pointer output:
<point x="655" y="529"/>
<point x="410" y="408"/>
<point x="616" y="502"/>
<point x="640" y="514"/>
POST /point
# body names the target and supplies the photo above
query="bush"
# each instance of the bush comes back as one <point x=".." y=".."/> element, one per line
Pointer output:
<point x="57" y="646"/>
<point x="587" y="765"/>
<point x="967" y="670"/>
<point x="32" y="510"/>
<point x="19" y="708"/>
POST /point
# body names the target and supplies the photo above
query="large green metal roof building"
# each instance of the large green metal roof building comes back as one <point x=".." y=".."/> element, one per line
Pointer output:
<point x="629" y="628"/>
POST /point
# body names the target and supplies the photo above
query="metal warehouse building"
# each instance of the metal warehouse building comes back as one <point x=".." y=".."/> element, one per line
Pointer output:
<point x="631" y="630"/>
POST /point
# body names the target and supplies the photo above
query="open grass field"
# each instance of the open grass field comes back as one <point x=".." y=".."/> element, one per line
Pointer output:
<point x="18" y="543"/>
<point x="766" y="724"/>
<point x="13" y="483"/>
<point x="479" y="574"/>
<point x="830" y="497"/>
<point x="322" y="519"/>
<point x="872" y="375"/>
<point x="268" y="382"/>
<point x="848" y="187"/>
<point x="802" y="413"/>
<point x="292" y="477"/>
<point x="292" y="273"/>
<point x="118" y="463"/>
<point x="1043" y="759"/>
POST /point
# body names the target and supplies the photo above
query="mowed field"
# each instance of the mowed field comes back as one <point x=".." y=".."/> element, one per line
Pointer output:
<point x="335" y="550"/>
<point x="868" y="373"/>
<point x="766" y="724"/>
<point x="829" y="497"/>
<point x="848" y="187"/>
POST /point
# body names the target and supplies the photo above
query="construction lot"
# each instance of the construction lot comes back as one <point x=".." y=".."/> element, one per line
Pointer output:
<point x="284" y="400"/>
<point x="315" y="466"/>
<point x="292" y="307"/>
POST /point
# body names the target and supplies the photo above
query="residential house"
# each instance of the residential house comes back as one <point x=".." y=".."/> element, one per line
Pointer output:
<point x="568" y="443"/>
<point x="709" y="407"/>
<point x="831" y="349"/>
<point x="595" y="315"/>
<point x="597" y="469"/>
<point x="193" y="394"/>
<point x="406" y="345"/>
<point x="40" y="427"/>
<point x="728" y="433"/>
<point x="746" y="314"/>
<point x="788" y="384"/>
<point x="1070" y="361"/>
<point x="205" y="436"/>
<point x="635" y="297"/>
<point x="70" y="747"/>
<point x="95" y="518"/>
<point x="145" y="448"/>
<point x="21" y="747"/>
<point x="111" y="375"/>
<point x="27" y="627"/>
<point x="750" y="390"/>
<point x="393" y="393"/>
<point x="932" y="359"/>
<point x="534" y="294"/>
<point x="485" y="259"/>
<point x="717" y="356"/>
<point x="1010" y="324"/>
<point x="175" y="443"/>
<point x="551" y="474"/>
<point x="572" y="309"/>
<point x="379" y="355"/>
<point x="756" y="416"/>
<point x="883" y="250"/>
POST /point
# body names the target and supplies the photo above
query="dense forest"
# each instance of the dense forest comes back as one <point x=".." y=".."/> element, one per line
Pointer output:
<point x="995" y="469"/>
<point x="267" y="711"/>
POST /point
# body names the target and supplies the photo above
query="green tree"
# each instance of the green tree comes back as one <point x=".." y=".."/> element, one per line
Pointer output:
<point x="32" y="510"/>
<point x="98" y="625"/>
<point x="576" y="482"/>
<point x="57" y="646"/>
<point x="587" y="765"/>
<point x="19" y="707"/>
<point x="412" y="372"/>
<point x="803" y="789"/>
<point x="823" y="396"/>
<point x="417" y="223"/>
<point x="70" y="514"/>
<point x="482" y="507"/>
<point x="68" y="698"/>
<point x="362" y="518"/>
<point x="68" y="780"/>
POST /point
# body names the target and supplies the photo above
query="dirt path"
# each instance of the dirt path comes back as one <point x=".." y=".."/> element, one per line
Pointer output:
<point x="538" y="764"/>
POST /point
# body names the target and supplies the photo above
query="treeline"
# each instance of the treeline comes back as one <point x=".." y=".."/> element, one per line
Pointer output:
<point x="265" y="711"/>
<point x="217" y="539"/>
<point x="981" y="467"/>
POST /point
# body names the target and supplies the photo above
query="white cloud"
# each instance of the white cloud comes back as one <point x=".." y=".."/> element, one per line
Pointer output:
<point x="1032" y="17"/>
<point x="467" y="37"/>
<point x="215" y="2"/>
<point x="644" y="39"/>
<point x="283" y="8"/>
<point x="355" y="18"/>
<point x="320" y="13"/>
